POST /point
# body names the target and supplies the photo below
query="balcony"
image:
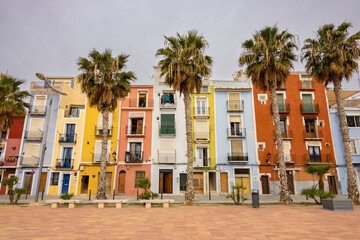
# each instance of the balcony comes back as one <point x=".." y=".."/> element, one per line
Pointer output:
<point x="33" y="135"/>
<point x="316" y="135"/>
<point x="167" y="157"/>
<point x="66" y="163"/>
<point x="236" y="132"/>
<point x="133" y="157"/>
<point x="286" y="135"/>
<point x="283" y="108"/>
<point x="135" y="131"/>
<point x="37" y="110"/>
<point x="29" y="161"/>
<point x="310" y="108"/>
<point x="167" y="131"/>
<point x="99" y="132"/>
<point x="238" y="157"/>
<point x="167" y="102"/>
<point x="306" y="85"/>
<point x="201" y="111"/>
<point x="67" y="138"/>
<point x="73" y="113"/>
<point x="141" y="103"/>
<point x="97" y="157"/>
<point x="201" y="136"/>
<point x="235" y="105"/>
<point x="289" y="158"/>
<point x="204" y="162"/>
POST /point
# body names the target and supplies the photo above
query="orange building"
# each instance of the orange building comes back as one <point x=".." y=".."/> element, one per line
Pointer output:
<point x="135" y="128"/>
<point x="306" y="135"/>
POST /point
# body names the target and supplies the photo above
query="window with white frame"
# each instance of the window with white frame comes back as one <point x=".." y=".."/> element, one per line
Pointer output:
<point x="262" y="98"/>
<point x="261" y="146"/>
<point x="353" y="146"/>
<point x="204" y="89"/>
<point x="202" y="156"/>
<point x="353" y="121"/>
<point x="201" y="106"/>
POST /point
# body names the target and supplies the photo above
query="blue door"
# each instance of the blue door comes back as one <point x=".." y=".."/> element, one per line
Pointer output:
<point x="65" y="184"/>
<point x="70" y="132"/>
<point x="67" y="153"/>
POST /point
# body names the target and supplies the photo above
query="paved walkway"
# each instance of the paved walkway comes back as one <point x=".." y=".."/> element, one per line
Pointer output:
<point x="179" y="222"/>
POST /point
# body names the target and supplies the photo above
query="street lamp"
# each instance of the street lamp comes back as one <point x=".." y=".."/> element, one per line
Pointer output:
<point x="42" y="77"/>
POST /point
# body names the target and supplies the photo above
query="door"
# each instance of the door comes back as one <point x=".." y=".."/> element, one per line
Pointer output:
<point x="245" y="182"/>
<point x="43" y="181"/>
<point x="332" y="184"/>
<point x="65" y="183"/>
<point x="70" y="132"/>
<point x="165" y="181"/>
<point x="108" y="183"/>
<point x="121" y="186"/>
<point x="28" y="182"/>
<point x="290" y="181"/>
<point x="224" y="182"/>
<point x="199" y="183"/>
<point x="314" y="154"/>
<point x="85" y="184"/>
<point x="67" y="155"/>
<point x="283" y="128"/>
<point x="236" y="150"/>
<point x="265" y="184"/>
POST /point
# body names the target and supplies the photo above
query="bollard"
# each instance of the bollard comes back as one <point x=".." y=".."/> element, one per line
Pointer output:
<point x="42" y="195"/>
<point x="114" y="194"/>
<point x="255" y="198"/>
<point x="137" y="194"/>
<point x="209" y="194"/>
<point x="90" y="195"/>
<point x="162" y="194"/>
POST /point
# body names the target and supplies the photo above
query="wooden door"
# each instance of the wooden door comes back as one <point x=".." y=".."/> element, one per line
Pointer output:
<point x="43" y="181"/>
<point x="85" y="184"/>
<point x="224" y="182"/>
<point x="121" y="186"/>
<point x="28" y="182"/>
<point x="168" y="183"/>
<point x="265" y="184"/>
<point x="290" y="181"/>
<point x="332" y="184"/>
<point x="108" y="183"/>
<point x="199" y="183"/>
<point x="245" y="181"/>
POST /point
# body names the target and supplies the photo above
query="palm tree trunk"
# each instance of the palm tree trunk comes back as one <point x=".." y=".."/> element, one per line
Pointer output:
<point x="101" y="192"/>
<point x="11" y="196"/>
<point x="284" y="190"/>
<point x="352" y="188"/>
<point x="321" y="183"/>
<point x="189" y="193"/>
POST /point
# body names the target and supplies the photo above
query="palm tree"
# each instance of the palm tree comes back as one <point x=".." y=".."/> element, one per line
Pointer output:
<point x="332" y="56"/>
<point x="104" y="82"/>
<point x="319" y="170"/>
<point x="269" y="57"/>
<point x="184" y="66"/>
<point x="11" y="101"/>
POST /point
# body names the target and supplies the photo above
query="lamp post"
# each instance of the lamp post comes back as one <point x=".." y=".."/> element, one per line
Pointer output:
<point x="37" y="185"/>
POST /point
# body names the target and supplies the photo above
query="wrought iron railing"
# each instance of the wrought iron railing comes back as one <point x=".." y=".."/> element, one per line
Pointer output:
<point x="37" y="110"/>
<point x="33" y="135"/>
<point x="236" y="132"/>
<point x="238" y="157"/>
<point x="66" y="163"/>
<point x="133" y="157"/>
<point x="67" y="138"/>
<point x="235" y="105"/>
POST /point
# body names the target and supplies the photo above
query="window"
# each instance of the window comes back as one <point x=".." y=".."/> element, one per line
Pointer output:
<point x="201" y="107"/>
<point x="167" y="100"/>
<point x="234" y="102"/>
<point x="262" y="98"/>
<point x="1" y="152"/>
<point x="100" y="124"/>
<point x="142" y="99"/>
<point x="139" y="175"/>
<point x="54" y="179"/>
<point x="310" y="131"/>
<point x="235" y="125"/>
<point x="204" y="89"/>
<point x="308" y="105"/>
<point x="237" y="150"/>
<point x="322" y="123"/>
<point x="3" y="134"/>
<point x="97" y="152"/>
<point x="353" y="121"/>
<point x="281" y="103"/>
<point x="136" y="125"/>
<point x="203" y="159"/>
<point x="261" y="146"/>
<point x="283" y="128"/>
<point x="70" y="132"/>
<point x="66" y="158"/>
<point x="183" y="180"/>
<point x="201" y="130"/>
<point x="167" y="124"/>
<point x="314" y="154"/>
<point x="353" y="146"/>
<point x="73" y="112"/>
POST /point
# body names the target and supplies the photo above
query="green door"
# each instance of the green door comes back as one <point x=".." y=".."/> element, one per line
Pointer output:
<point x="281" y="104"/>
<point x="167" y="124"/>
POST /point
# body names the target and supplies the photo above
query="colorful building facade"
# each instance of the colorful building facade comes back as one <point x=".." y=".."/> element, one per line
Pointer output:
<point x="306" y="134"/>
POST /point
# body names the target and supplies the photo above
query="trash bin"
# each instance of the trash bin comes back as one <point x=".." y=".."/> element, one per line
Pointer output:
<point x="255" y="198"/>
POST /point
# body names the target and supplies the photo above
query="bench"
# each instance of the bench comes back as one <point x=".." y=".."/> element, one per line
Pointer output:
<point x="165" y="202"/>
<point x="338" y="204"/>
<point x="101" y="203"/>
<point x="55" y="203"/>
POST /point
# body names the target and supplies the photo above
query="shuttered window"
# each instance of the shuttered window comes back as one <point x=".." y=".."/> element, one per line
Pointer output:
<point x="167" y="124"/>
<point x="202" y="129"/>
<point x="100" y="121"/>
<point x="236" y="148"/>
<point x="307" y="103"/>
<point x="353" y="146"/>
<point x="234" y="101"/>
<point x="280" y="99"/>
<point x="139" y="175"/>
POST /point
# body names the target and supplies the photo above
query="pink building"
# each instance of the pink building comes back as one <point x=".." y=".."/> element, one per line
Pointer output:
<point x="134" y="160"/>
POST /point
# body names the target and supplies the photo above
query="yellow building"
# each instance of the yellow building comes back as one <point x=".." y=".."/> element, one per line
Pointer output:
<point x="202" y="105"/>
<point x="68" y="137"/>
<point x="91" y="151"/>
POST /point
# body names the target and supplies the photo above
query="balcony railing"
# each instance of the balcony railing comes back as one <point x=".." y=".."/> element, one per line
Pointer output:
<point x="97" y="157"/>
<point x="311" y="135"/>
<point x="287" y="157"/>
<point x="67" y="138"/>
<point x="310" y="108"/>
<point x="133" y="157"/>
<point x="167" y="104"/>
<point x="29" y="161"/>
<point x="135" y="131"/>
<point x="307" y="85"/>
<point x="99" y="132"/>
<point x="167" y="131"/>
<point x="235" y="105"/>
<point x="138" y="103"/>
<point x="312" y="159"/>
<point x="238" y="157"/>
<point x="167" y="157"/>
<point x="66" y="163"/>
<point x="204" y="162"/>
<point x="283" y="108"/>
<point x="33" y="135"/>
<point x="287" y="134"/>
<point x="201" y="136"/>
<point x="236" y="132"/>
<point x="37" y="110"/>
<point x="71" y="113"/>
<point x="201" y="111"/>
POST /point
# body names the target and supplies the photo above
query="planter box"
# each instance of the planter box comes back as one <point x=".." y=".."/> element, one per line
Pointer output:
<point x="339" y="205"/>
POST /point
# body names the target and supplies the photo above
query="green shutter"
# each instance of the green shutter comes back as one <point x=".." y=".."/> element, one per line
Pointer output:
<point x="307" y="103"/>
<point x="280" y="98"/>
<point x="167" y="124"/>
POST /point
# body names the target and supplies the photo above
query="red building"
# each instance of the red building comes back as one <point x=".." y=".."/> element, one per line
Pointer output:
<point x="10" y="142"/>
<point x="305" y="130"/>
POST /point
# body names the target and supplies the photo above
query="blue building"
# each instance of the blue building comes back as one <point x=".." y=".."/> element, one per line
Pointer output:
<point x="352" y="110"/>
<point x="236" y="151"/>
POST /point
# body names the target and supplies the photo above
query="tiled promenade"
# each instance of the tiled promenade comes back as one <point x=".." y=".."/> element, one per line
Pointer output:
<point x="178" y="222"/>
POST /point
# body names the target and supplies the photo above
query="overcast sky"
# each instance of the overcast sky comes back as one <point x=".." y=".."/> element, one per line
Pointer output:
<point x="49" y="36"/>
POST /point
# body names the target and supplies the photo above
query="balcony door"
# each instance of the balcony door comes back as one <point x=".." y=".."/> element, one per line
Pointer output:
<point x="281" y="102"/>
<point x="203" y="157"/>
<point x="308" y="105"/>
<point x="67" y="155"/>
<point x="310" y="128"/>
<point x="283" y="128"/>
<point x="237" y="150"/>
<point x="235" y="124"/>
<point x="136" y="126"/>
<point x="201" y="107"/>
<point x="142" y="99"/>
<point x="135" y="151"/>
<point x="70" y="132"/>
<point x="314" y="154"/>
